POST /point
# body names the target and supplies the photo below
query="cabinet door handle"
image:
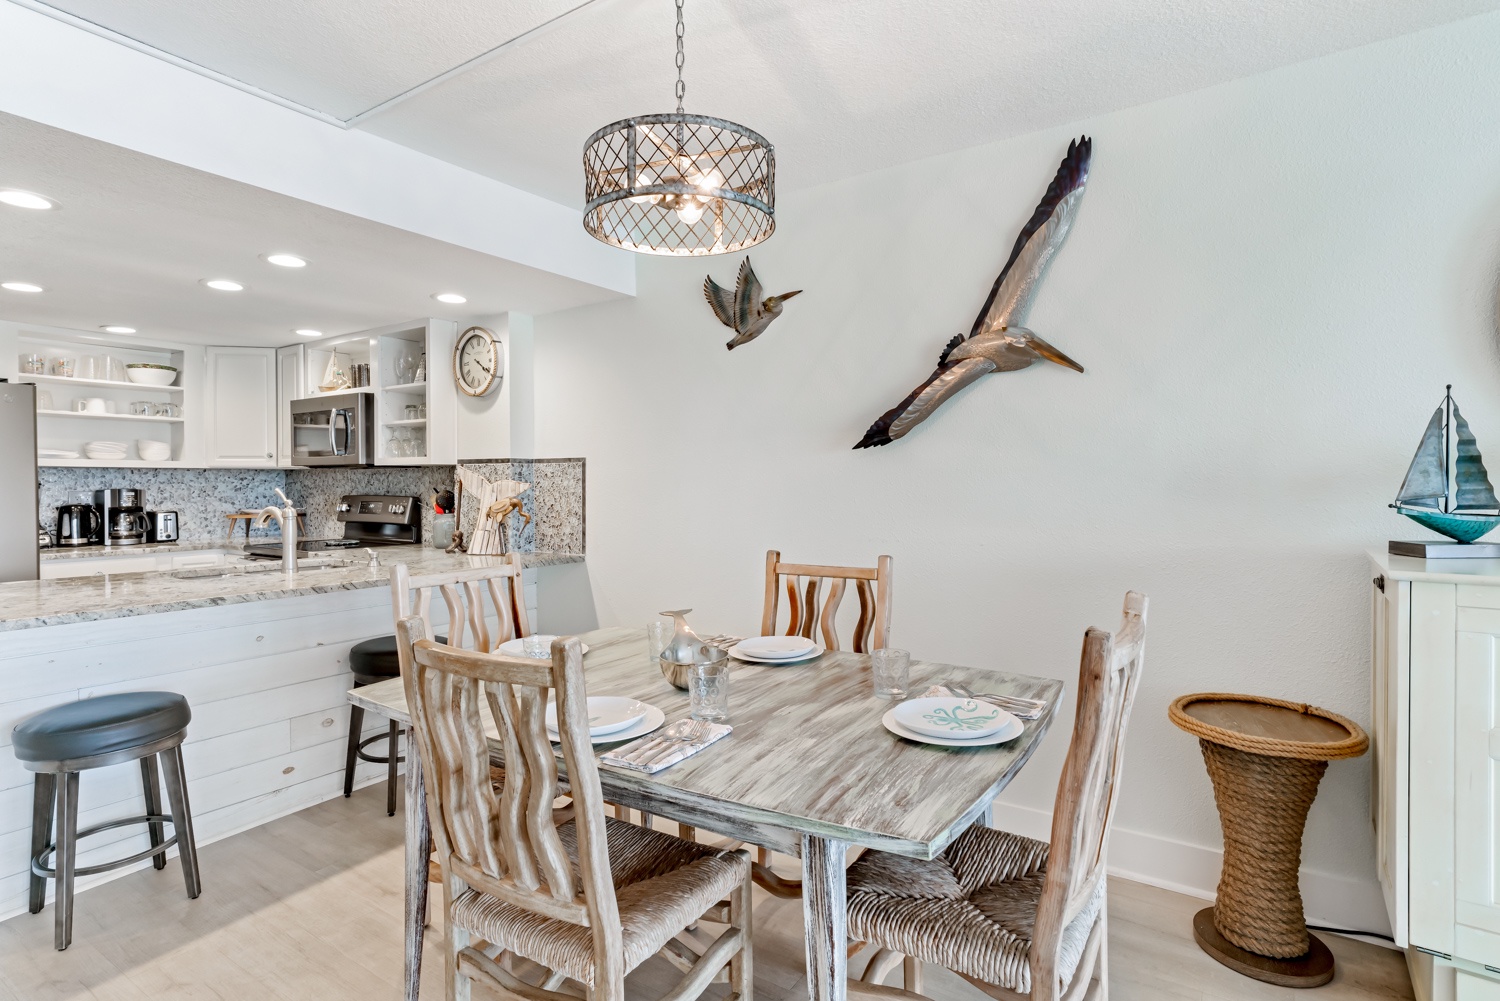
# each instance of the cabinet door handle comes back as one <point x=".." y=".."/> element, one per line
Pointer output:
<point x="1495" y="744"/>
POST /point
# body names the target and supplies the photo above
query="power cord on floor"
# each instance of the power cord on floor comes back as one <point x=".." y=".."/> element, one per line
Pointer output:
<point x="1352" y="933"/>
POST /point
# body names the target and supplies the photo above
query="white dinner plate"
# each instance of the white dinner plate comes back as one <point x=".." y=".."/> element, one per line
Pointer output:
<point x="954" y="718"/>
<point x="514" y="648"/>
<point x="777" y="647"/>
<point x="738" y="654"/>
<point x="654" y="718"/>
<point x="1010" y="733"/>
<point x="607" y="713"/>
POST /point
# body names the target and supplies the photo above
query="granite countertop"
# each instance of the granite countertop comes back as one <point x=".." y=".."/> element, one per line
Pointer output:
<point x="33" y="603"/>
<point x="146" y="549"/>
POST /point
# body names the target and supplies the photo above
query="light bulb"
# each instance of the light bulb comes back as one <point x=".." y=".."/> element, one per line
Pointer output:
<point x="709" y="181"/>
<point x="690" y="211"/>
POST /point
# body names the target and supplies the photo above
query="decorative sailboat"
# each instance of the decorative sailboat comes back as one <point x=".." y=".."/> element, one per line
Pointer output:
<point x="1448" y="490"/>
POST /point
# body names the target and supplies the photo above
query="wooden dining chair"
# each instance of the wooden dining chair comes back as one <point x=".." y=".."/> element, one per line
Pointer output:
<point x="486" y="604"/>
<point x="1016" y="917"/>
<point x="589" y="900"/>
<point x="814" y="594"/>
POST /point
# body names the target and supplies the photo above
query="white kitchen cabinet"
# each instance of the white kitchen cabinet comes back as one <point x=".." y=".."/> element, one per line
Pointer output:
<point x="1436" y="738"/>
<point x="240" y="396"/>
<point x="291" y="384"/>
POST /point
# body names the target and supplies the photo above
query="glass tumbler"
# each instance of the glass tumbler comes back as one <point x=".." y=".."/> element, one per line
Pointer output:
<point x="708" y="687"/>
<point x="33" y="364"/>
<point x="539" y="647"/>
<point x="63" y="367"/>
<point x="658" y="635"/>
<point x="890" y="668"/>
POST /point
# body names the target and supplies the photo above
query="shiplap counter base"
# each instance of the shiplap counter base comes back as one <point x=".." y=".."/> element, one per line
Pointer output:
<point x="267" y="682"/>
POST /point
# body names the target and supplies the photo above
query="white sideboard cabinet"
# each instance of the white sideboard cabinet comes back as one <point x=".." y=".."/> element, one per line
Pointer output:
<point x="1435" y="707"/>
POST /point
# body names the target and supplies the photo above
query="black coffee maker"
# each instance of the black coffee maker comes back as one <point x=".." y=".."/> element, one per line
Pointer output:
<point x="122" y="516"/>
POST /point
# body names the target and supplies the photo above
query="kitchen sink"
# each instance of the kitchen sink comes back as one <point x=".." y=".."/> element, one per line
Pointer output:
<point x="259" y="566"/>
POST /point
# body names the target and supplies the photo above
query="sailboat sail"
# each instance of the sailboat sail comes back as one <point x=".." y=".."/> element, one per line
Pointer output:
<point x="1426" y="484"/>
<point x="1472" y="489"/>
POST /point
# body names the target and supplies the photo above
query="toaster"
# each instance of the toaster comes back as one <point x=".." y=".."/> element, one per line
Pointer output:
<point x="161" y="526"/>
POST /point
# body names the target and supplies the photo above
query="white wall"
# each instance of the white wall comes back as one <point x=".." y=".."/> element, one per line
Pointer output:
<point x="1269" y="284"/>
<point x="502" y="424"/>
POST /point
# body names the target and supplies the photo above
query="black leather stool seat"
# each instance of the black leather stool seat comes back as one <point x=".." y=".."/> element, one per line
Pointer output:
<point x="100" y="725"/>
<point x="375" y="660"/>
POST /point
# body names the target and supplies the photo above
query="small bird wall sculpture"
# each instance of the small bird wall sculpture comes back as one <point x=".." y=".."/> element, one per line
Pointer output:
<point x="998" y="341"/>
<point x="744" y="311"/>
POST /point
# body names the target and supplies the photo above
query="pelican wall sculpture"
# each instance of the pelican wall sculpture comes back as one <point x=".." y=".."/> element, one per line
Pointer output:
<point x="998" y="341"/>
<point x="744" y="311"/>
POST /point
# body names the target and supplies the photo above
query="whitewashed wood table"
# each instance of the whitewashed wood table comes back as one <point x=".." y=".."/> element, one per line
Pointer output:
<point x="808" y="771"/>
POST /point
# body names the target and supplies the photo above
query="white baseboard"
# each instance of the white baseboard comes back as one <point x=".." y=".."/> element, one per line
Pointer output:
<point x="1336" y="901"/>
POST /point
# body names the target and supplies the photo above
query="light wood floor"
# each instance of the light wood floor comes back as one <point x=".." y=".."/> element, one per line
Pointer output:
<point x="308" y="909"/>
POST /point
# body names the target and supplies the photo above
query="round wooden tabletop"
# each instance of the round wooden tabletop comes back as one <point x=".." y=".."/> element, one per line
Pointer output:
<point x="1272" y="727"/>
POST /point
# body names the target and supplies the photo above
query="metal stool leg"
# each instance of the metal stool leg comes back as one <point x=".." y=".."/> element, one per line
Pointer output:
<point x="44" y="802"/>
<point x="356" y="724"/>
<point x="390" y="775"/>
<point x="67" y="849"/>
<point x="182" y="819"/>
<point x="151" y="785"/>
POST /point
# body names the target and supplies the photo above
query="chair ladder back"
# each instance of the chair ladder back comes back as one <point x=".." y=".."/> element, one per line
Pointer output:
<point x="1108" y="674"/>
<point x="474" y="597"/>
<point x="507" y="844"/>
<point x="812" y="616"/>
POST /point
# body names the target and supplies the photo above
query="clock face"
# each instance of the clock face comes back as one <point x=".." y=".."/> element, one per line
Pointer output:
<point x="476" y="362"/>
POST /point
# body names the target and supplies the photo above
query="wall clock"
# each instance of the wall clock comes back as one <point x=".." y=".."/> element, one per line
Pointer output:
<point x="478" y="362"/>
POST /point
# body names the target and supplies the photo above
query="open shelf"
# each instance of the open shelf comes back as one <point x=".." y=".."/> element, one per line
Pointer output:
<point x="414" y="422"/>
<point x="64" y="380"/>
<point x="111" y="417"/>
<point x="407" y="387"/>
<point x="110" y="463"/>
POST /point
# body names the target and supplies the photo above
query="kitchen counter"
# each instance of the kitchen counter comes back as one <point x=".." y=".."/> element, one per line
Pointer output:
<point x="146" y="549"/>
<point x="30" y="604"/>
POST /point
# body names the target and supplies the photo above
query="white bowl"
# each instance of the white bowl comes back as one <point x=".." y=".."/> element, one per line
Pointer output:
<point x="151" y="376"/>
<point x="153" y="451"/>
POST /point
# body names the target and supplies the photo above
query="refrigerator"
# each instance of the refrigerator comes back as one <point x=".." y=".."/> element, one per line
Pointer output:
<point x="20" y="557"/>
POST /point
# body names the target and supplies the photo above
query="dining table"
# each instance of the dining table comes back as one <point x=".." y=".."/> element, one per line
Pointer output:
<point x="809" y="771"/>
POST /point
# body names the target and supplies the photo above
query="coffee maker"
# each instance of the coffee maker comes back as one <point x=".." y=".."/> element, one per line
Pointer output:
<point x="122" y="516"/>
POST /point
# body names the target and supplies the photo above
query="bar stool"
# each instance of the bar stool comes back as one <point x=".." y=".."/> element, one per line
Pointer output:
<point x="374" y="661"/>
<point x="60" y="742"/>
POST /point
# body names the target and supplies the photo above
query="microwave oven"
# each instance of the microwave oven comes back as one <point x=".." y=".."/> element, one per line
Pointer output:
<point x="334" y="430"/>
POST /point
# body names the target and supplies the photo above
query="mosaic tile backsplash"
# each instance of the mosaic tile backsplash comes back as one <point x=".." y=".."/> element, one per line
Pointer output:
<point x="204" y="497"/>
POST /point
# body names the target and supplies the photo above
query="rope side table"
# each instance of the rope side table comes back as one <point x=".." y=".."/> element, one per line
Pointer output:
<point x="1265" y="758"/>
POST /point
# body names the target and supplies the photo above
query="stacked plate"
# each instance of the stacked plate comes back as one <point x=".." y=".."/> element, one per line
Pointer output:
<point x="107" y="450"/>
<point x="775" y="650"/>
<point x="952" y="722"/>
<point x="612" y="718"/>
<point x="55" y="453"/>
<point x="153" y="451"/>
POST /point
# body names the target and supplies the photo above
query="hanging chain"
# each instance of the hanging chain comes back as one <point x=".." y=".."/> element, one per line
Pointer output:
<point x="681" y="87"/>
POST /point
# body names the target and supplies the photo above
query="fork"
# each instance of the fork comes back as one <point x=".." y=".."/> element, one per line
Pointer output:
<point x="1031" y="708"/>
<point x="692" y="735"/>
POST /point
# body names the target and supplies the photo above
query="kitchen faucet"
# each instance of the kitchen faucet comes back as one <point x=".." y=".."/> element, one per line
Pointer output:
<point x="286" y="517"/>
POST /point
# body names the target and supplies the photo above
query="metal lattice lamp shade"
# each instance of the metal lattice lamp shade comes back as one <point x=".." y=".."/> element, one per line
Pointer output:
<point x="680" y="185"/>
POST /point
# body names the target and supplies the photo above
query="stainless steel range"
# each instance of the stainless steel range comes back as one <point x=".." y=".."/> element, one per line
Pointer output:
<point x="369" y="520"/>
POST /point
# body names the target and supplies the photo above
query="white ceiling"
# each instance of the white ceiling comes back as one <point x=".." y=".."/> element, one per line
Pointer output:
<point x="134" y="235"/>
<point x="840" y="88"/>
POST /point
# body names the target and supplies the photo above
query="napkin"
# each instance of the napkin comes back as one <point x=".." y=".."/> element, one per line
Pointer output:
<point x="619" y="757"/>
<point x="939" y="691"/>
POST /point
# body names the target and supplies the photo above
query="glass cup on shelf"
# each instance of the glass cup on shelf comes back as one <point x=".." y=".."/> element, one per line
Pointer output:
<point x="422" y="411"/>
<point x="33" y="364"/>
<point x="708" y="687"/>
<point x="416" y="443"/>
<point x="394" y="444"/>
<point x="63" y="367"/>
<point x="139" y="408"/>
<point x="88" y="367"/>
<point x="890" y="669"/>
<point x="409" y="412"/>
<point x="44" y="400"/>
<point x="171" y="409"/>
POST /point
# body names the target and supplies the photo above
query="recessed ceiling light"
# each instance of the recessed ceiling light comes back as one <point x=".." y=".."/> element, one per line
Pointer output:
<point x="20" y="286"/>
<point x="116" y="329"/>
<point x="25" y="199"/>
<point x="223" y="285"/>
<point x="308" y="332"/>
<point x="285" y="260"/>
<point x="452" y="297"/>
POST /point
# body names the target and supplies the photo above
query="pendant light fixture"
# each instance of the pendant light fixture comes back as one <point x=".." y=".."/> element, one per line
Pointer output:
<point x="678" y="184"/>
